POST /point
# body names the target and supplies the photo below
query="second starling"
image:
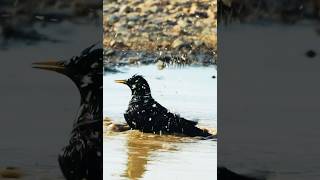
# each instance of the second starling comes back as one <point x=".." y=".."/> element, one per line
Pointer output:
<point x="82" y="157"/>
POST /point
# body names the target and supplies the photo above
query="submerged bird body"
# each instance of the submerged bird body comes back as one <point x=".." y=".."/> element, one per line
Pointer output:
<point x="147" y="115"/>
<point x="82" y="157"/>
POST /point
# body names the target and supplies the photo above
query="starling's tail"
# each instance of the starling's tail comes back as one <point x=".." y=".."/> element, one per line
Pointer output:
<point x="195" y="131"/>
<point x="189" y="128"/>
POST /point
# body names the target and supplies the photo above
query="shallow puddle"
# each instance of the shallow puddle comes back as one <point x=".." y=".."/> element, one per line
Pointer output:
<point x="188" y="91"/>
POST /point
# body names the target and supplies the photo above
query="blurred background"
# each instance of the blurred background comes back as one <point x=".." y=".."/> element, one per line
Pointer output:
<point x="268" y="88"/>
<point x="39" y="107"/>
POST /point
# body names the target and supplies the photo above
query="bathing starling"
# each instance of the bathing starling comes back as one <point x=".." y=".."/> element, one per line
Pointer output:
<point x="82" y="157"/>
<point x="147" y="115"/>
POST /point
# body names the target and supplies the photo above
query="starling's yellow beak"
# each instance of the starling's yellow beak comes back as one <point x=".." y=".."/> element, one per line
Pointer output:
<point x="121" y="81"/>
<point x="57" y="66"/>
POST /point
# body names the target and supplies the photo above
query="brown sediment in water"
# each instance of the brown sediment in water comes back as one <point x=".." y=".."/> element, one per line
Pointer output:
<point x="110" y="127"/>
<point x="141" y="147"/>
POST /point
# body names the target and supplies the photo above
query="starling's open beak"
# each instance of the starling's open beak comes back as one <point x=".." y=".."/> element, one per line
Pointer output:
<point x="121" y="81"/>
<point x="57" y="66"/>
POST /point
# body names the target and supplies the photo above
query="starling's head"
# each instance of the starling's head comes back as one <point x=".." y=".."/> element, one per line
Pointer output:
<point x="138" y="85"/>
<point x="85" y="70"/>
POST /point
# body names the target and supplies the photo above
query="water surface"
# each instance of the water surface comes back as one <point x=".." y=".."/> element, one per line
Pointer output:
<point x="189" y="91"/>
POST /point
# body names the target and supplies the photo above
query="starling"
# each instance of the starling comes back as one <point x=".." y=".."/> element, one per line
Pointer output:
<point x="82" y="157"/>
<point x="147" y="115"/>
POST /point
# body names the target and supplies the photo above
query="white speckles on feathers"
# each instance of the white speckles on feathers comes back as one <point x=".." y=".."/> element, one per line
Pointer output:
<point x="89" y="96"/>
<point x="99" y="153"/>
<point x="86" y="80"/>
<point x="94" y="65"/>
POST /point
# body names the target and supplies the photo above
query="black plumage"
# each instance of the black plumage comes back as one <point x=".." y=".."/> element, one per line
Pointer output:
<point x="82" y="157"/>
<point x="147" y="115"/>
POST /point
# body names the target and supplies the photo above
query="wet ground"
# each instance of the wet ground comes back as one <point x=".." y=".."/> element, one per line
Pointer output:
<point x="189" y="91"/>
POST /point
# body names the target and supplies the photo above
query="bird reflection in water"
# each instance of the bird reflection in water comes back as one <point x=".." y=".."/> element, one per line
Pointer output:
<point x="141" y="146"/>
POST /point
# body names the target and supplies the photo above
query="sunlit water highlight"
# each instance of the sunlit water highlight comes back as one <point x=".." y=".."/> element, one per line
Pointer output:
<point x="189" y="91"/>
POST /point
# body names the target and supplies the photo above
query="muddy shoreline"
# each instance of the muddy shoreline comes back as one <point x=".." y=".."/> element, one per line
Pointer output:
<point x="114" y="58"/>
<point x="178" y="32"/>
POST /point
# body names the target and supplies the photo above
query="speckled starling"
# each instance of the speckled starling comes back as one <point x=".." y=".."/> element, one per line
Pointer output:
<point x="82" y="157"/>
<point x="147" y="115"/>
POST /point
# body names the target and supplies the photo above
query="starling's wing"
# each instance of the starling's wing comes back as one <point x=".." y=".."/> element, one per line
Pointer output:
<point x="157" y="118"/>
<point x="173" y="123"/>
<point x="165" y="118"/>
<point x="189" y="128"/>
<point x="170" y="115"/>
